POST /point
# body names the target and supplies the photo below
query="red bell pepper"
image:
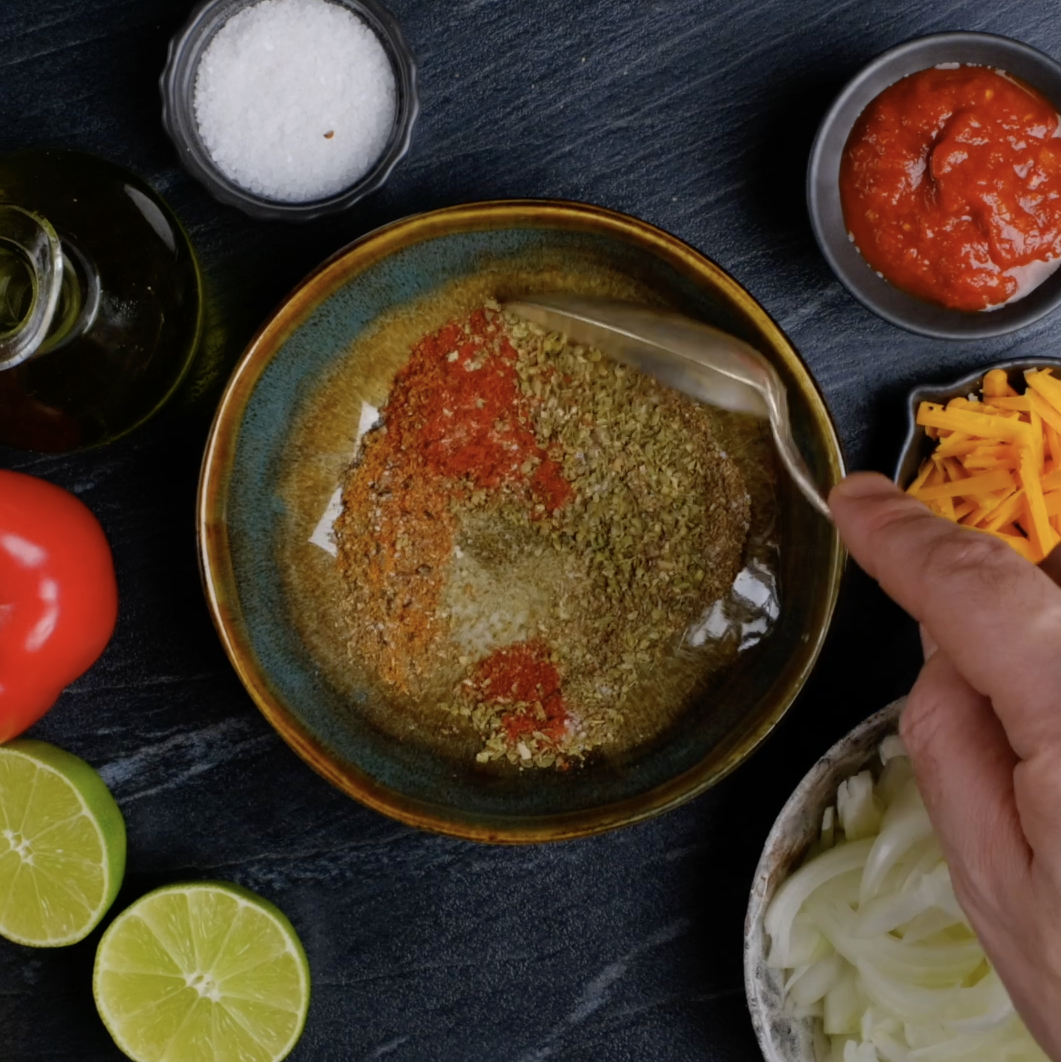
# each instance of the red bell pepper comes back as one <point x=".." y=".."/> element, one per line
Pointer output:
<point x="58" y="596"/>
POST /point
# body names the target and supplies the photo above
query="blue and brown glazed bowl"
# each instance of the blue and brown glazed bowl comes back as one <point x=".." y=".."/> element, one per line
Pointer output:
<point x="286" y="428"/>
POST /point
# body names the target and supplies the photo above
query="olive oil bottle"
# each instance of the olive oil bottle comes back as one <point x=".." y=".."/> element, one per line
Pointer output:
<point x="100" y="301"/>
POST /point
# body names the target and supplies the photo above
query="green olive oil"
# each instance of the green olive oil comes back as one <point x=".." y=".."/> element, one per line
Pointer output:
<point x="128" y="316"/>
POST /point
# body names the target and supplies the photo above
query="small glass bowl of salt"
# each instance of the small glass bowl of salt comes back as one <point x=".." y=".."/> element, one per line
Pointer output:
<point x="290" y="108"/>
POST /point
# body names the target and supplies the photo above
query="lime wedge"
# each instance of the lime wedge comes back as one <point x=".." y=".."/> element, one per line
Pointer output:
<point x="62" y="845"/>
<point x="198" y="972"/>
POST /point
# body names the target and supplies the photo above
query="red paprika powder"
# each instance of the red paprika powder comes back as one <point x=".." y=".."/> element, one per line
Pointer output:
<point x="522" y="675"/>
<point x="458" y="404"/>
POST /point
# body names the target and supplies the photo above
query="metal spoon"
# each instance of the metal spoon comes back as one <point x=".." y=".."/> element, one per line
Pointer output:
<point x="693" y="358"/>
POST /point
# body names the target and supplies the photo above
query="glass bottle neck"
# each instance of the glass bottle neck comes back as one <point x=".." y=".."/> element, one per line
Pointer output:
<point x="49" y="292"/>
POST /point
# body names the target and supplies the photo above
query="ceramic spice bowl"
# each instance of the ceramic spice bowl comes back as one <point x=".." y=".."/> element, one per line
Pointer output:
<point x="823" y="176"/>
<point x="177" y="85"/>
<point x="285" y="431"/>
<point x="782" y="1037"/>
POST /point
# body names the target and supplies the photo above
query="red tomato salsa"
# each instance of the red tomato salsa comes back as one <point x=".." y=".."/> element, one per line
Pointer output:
<point x="950" y="185"/>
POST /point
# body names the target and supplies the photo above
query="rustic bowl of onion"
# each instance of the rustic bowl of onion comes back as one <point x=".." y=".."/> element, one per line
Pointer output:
<point x="856" y="949"/>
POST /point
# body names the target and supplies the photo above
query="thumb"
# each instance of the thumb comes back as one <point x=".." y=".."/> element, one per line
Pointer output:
<point x="994" y="615"/>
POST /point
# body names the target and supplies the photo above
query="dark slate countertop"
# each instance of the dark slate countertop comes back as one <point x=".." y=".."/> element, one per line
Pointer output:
<point x="692" y="114"/>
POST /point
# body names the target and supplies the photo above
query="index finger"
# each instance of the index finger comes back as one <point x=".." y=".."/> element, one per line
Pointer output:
<point x="997" y="617"/>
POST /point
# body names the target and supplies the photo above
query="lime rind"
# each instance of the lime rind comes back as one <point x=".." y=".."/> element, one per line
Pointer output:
<point x="62" y="845"/>
<point x="201" y="971"/>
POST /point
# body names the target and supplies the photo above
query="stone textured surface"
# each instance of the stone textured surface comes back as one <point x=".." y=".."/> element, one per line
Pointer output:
<point x="693" y="114"/>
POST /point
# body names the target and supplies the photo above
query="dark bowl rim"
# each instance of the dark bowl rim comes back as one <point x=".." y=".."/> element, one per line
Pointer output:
<point x="215" y="561"/>
<point x="1006" y="46"/>
<point x="223" y="188"/>
<point x="914" y="443"/>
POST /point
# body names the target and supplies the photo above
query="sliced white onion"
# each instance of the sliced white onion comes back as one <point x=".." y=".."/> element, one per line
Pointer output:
<point x="811" y="982"/>
<point x="928" y="965"/>
<point x="889" y="1046"/>
<point x="896" y="774"/>
<point x="938" y="891"/>
<point x="875" y="944"/>
<point x="904" y="824"/>
<point x="923" y="890"/>
<point x="857" y="807"/>
<point x="859" y="1052"/>
<point x="838" y="1046"/>
<point x="886" y="912"/>
<point x="1009" y="1040"/>
<point x="828" y="834"/>
<point x="930" y="923"/>
<point x="805" y="945"/>
<point x="922" y="858"/>
<point x="891" y="748"/>
<point x="844" y="1004"/>
<point x="991" y="1003"/>
<point x="798" y="888"/>
<point x="812" y="1010"/>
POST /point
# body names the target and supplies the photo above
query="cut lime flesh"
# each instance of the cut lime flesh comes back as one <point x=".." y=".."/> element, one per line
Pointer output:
<point x="62" y="845"/>
<point x="200" y="972"/>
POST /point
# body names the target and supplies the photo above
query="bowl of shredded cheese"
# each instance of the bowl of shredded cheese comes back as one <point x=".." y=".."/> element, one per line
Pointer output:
<point x="290" y="109"/>
<point x="985" y="452"/>
<point x="856" y="949"/>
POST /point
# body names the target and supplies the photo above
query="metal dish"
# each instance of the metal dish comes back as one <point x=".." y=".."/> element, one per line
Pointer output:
<point x="177" y="85"/>
<point x="258" y="478"/>
<point x="917" y="445"/>
<point x="823" y="175"/>
<point x="781" y="1037"/>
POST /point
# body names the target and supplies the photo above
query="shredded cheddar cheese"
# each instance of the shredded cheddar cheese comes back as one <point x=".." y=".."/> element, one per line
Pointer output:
<point x="997" y="462"/>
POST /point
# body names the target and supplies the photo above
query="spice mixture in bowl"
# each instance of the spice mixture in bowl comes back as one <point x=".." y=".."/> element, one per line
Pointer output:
<point x="534" y="534"/>
<point x="486" y="580"/>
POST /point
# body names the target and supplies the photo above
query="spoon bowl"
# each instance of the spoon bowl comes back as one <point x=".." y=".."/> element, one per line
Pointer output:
<point x="700" y="361"/>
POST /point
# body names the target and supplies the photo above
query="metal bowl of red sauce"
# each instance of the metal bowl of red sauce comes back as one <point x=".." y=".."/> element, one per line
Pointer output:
<point x="931" y="185"/>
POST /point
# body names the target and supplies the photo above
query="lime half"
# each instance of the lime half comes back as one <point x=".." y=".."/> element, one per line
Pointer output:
<point x="62" y="845"/>
<point x="198" y="972"/>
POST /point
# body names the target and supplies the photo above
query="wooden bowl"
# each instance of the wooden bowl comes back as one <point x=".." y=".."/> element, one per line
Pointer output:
<point x="782" y="1037"/>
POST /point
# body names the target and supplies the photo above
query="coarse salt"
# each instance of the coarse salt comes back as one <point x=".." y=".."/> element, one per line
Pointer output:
<point x="295" y="99"/>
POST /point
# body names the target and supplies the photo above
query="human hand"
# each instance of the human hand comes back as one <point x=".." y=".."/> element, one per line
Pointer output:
<point x="982" y="725"/>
